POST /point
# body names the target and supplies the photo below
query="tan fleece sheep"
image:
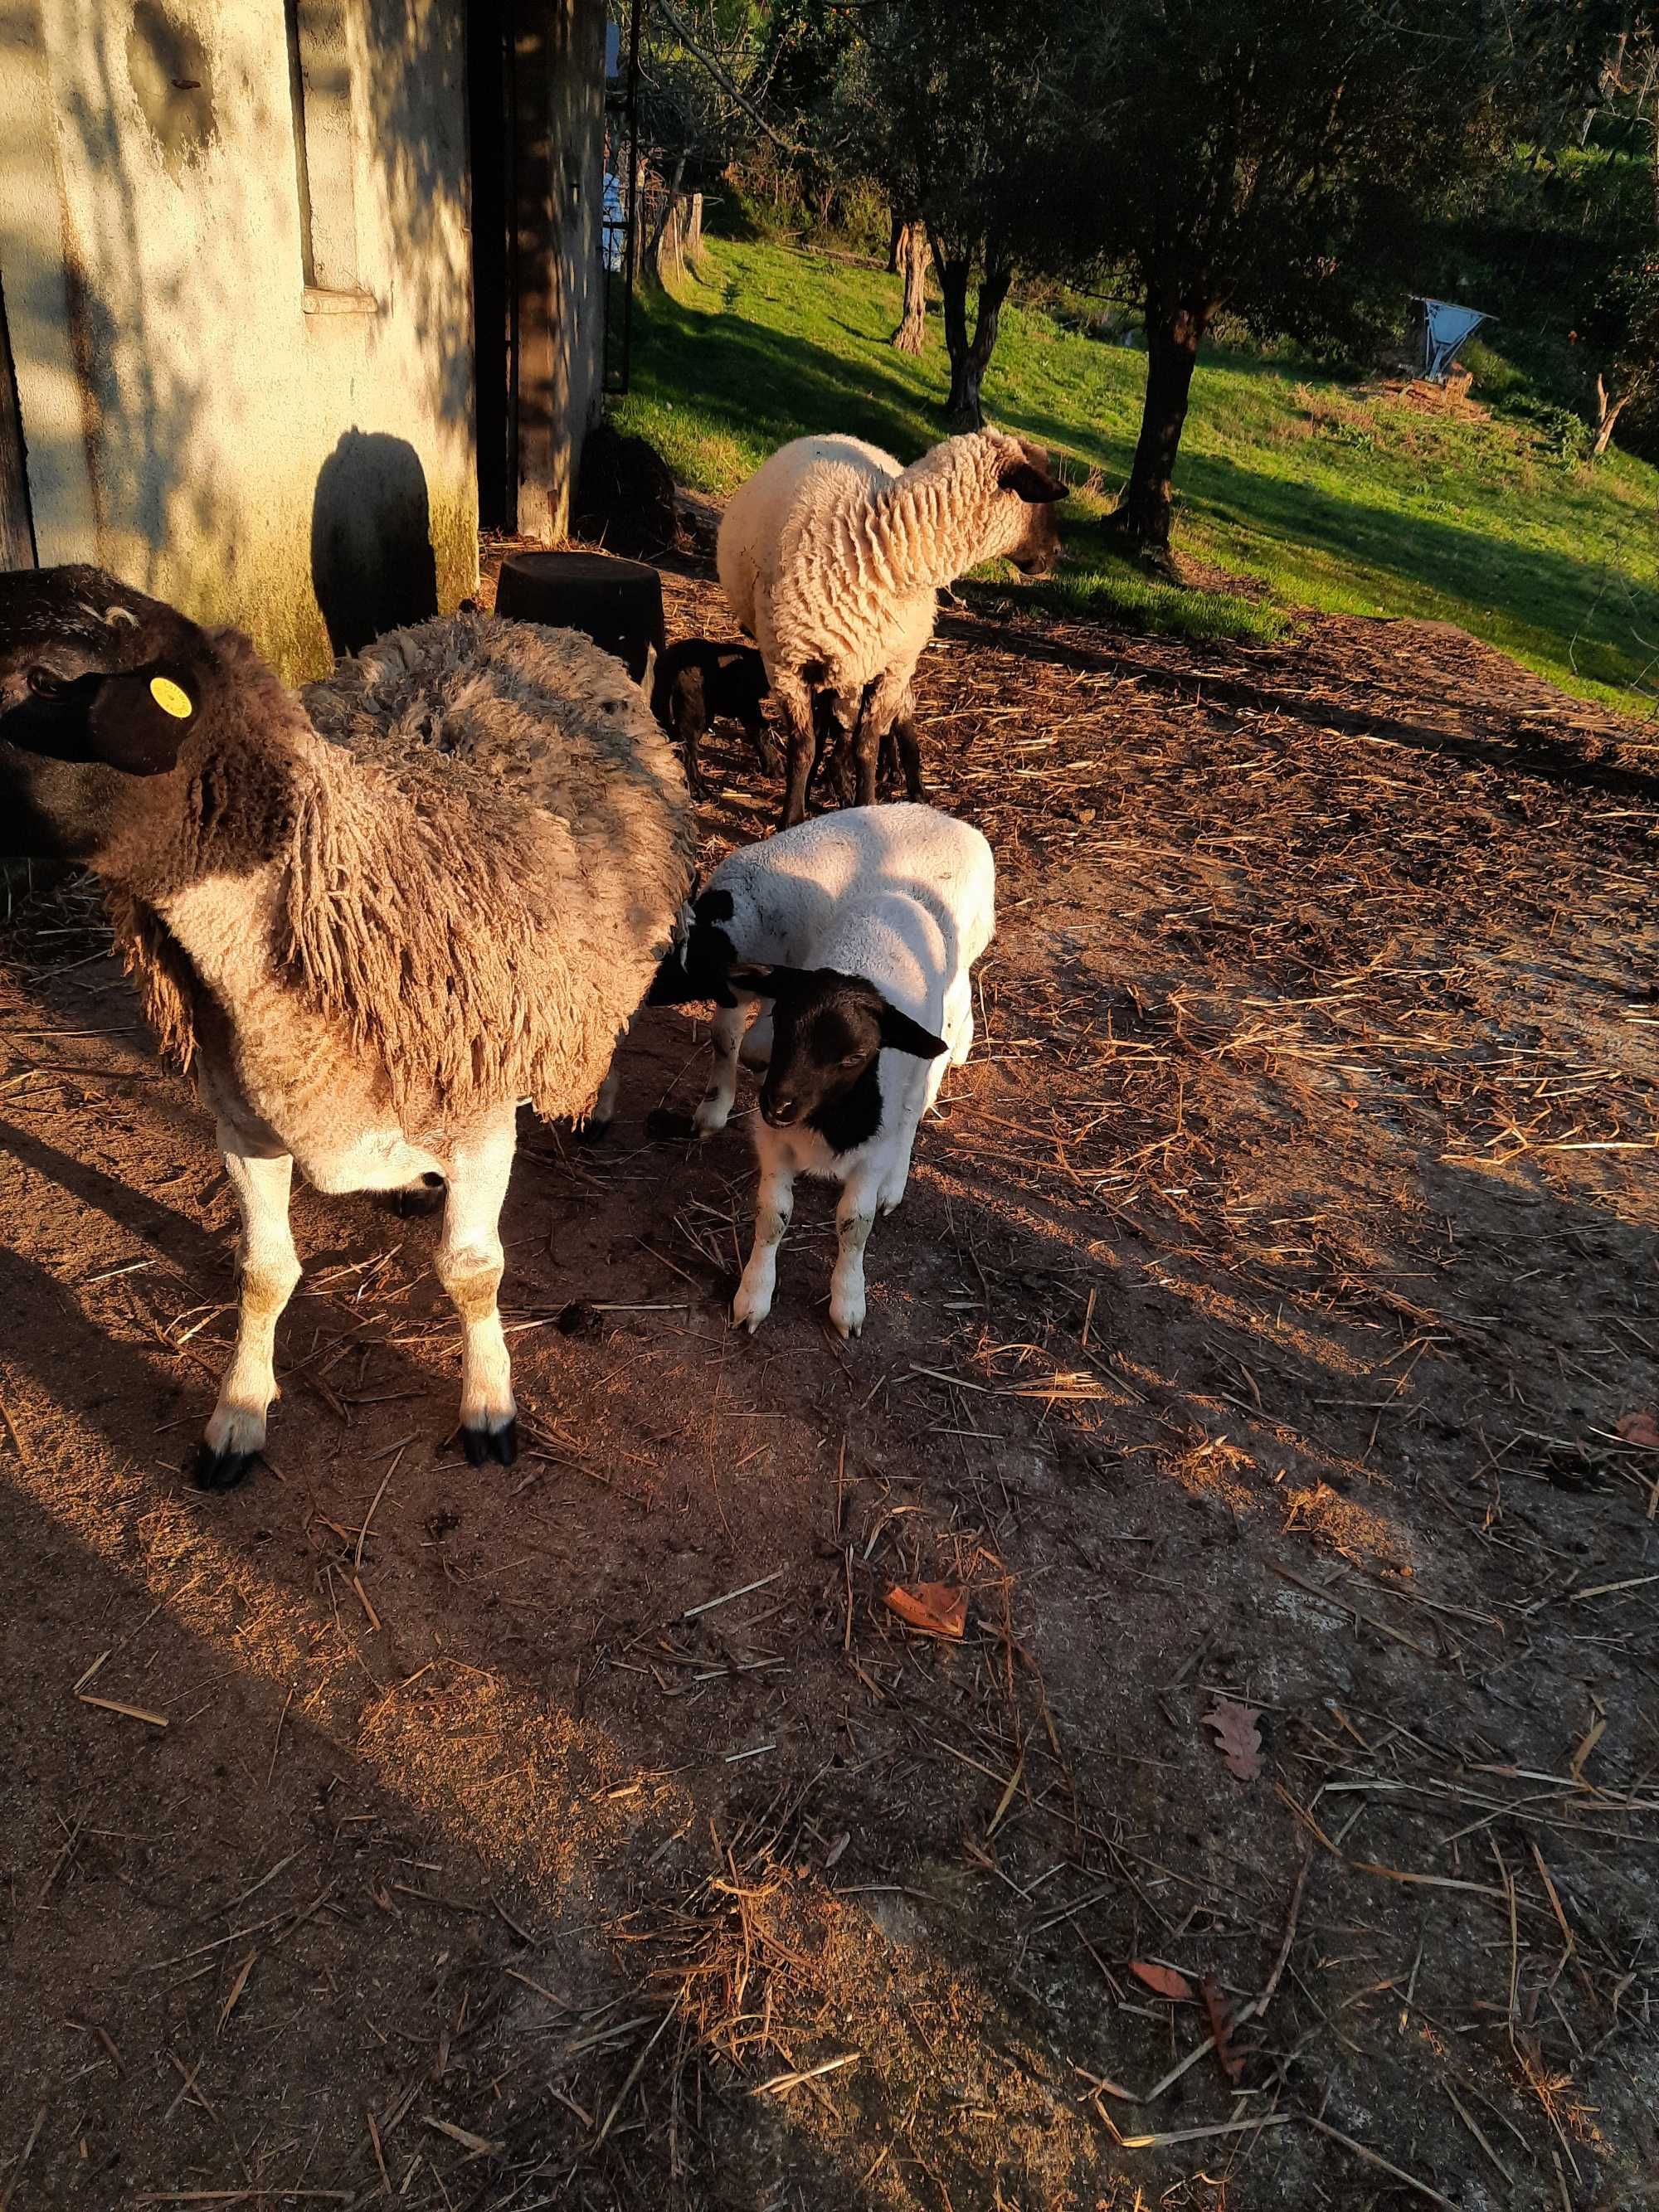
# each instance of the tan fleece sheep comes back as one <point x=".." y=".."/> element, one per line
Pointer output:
<point x="831" y="556"/>
<point x="374" y="948"/>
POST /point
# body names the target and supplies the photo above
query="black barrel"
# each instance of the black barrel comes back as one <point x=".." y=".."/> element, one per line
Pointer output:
<point x="618" y="604"/>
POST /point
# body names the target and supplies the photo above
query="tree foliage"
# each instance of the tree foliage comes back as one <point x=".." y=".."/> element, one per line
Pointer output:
<point x="1284" y="161"/>
<point x="953" y="104"/>
<point x="1270" y="157"/>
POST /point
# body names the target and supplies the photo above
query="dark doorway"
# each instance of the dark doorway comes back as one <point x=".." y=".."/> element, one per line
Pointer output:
<point x="489" y="118"/>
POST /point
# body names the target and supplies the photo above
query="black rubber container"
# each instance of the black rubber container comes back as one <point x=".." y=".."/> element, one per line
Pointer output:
<point x="618" y="604"/>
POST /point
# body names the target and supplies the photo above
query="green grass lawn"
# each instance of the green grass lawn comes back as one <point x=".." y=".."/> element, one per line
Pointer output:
<point x="1327" y="498"/>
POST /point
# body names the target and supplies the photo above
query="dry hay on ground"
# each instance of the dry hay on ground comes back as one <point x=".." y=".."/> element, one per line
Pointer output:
<point x="1256" y="1332"/>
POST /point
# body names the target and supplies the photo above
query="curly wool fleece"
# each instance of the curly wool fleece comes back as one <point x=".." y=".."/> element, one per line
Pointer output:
<point x="465" y="892"/>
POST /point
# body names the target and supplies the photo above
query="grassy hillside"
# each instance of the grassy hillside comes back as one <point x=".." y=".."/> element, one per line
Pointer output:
<point x="1327" y="498"/>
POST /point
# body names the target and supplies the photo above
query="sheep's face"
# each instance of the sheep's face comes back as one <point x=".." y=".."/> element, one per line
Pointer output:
<point x="1034" y="491"/>
<point x="99" y="687"/>
<point x="828" y="1030"/>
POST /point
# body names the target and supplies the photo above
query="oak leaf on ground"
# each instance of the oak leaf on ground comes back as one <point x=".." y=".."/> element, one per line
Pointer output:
<point x="1163" y="1979"/>
<point x="1237" y="1737"/>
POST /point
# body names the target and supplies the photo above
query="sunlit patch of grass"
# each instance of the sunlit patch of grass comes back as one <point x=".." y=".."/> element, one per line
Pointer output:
<point x="1119" y="594"/>
<point x="1321" y="494"/>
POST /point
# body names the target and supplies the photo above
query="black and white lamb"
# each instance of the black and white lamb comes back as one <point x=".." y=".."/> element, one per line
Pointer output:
<point x="373" y="949"/>
<point x="860" y="928"/>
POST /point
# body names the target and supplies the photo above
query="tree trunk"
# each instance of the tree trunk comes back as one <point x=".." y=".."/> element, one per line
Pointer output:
<point x="953" y="280"/>
<point x="1174" y="328"/>
<point x="912" y="332"/>
<point x="662" y="253"/>
<point x="1607" y="412"/>
<point x="693" y="240"/>
<point x="970" y="358"/>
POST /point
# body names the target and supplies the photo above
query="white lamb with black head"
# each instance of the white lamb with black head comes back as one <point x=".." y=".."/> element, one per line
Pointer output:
<point x="860" y="928"/>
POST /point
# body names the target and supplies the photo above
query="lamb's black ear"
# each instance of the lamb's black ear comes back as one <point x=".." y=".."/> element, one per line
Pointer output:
<point x="137" y="722"/>
<point x="899" y="1034"/>
<point x="1033" y="487"/>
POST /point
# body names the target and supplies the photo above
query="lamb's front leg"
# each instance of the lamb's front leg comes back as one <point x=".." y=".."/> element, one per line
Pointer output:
<point x="883" y="704"/>
<point x="468" y="1262"/>
<point x="855" y="1219"/>
<point x="270" y="1267"/>
<point x="714" y="1107"/>
<point x="774" y="1206"/>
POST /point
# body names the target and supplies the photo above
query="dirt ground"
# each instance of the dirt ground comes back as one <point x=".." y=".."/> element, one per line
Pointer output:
<point x="1257" y="1332"/>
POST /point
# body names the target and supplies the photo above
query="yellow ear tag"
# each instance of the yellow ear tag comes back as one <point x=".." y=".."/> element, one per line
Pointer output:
<point x="172" y="698"/>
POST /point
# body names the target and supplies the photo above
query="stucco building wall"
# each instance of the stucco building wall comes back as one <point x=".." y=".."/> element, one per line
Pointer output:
<point x="200" y="418"/>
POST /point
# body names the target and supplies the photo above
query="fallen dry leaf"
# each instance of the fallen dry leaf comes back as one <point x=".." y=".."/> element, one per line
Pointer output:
<point x="1639" y="1429"/>
<point x="931" y="1609"/>
<point x="1238" y="1736"/>
<point x="1221" y="2027"/>
<point x="1164" y="1979"/>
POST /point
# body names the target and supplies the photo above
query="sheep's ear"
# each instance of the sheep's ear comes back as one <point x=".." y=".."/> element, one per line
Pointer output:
<point x="899" y="1034"/>
<point x="137" y="722"/>
<point x="1033" y="487"/>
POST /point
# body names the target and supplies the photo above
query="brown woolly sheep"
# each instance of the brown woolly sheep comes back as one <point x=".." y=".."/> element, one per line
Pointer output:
<point x="373" y="949"/>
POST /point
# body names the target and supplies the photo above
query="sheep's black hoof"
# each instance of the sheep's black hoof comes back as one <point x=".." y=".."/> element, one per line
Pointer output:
<point x="415" y="1199"/>
<point x="221" y="1469"/>
<point x="665" y="1127"/>
<point x="592" y="1132"/>
<point x="481" y="1445"/>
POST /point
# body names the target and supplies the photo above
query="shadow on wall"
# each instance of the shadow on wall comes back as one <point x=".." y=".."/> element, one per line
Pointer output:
<point x="372" y="563"/>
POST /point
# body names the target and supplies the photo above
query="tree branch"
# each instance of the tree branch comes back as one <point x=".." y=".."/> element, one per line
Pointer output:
<point x="723" y="77"/>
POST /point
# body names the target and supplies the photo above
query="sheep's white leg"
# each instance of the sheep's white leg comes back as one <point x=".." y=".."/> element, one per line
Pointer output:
<point x="469" y="1263"/>
<point x="904" y="1121"/>
<point x="270" y="1267"/>
<point x="593" y="1129"/>
<point x="774" y="1206"/>
<point x="715" y="1106"/>
<point x="959" y="1029"/>
<point x="855" y="1219"/>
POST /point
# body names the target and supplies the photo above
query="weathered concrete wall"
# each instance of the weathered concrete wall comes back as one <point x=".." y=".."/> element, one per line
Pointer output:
<point x="199" y="420"/>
